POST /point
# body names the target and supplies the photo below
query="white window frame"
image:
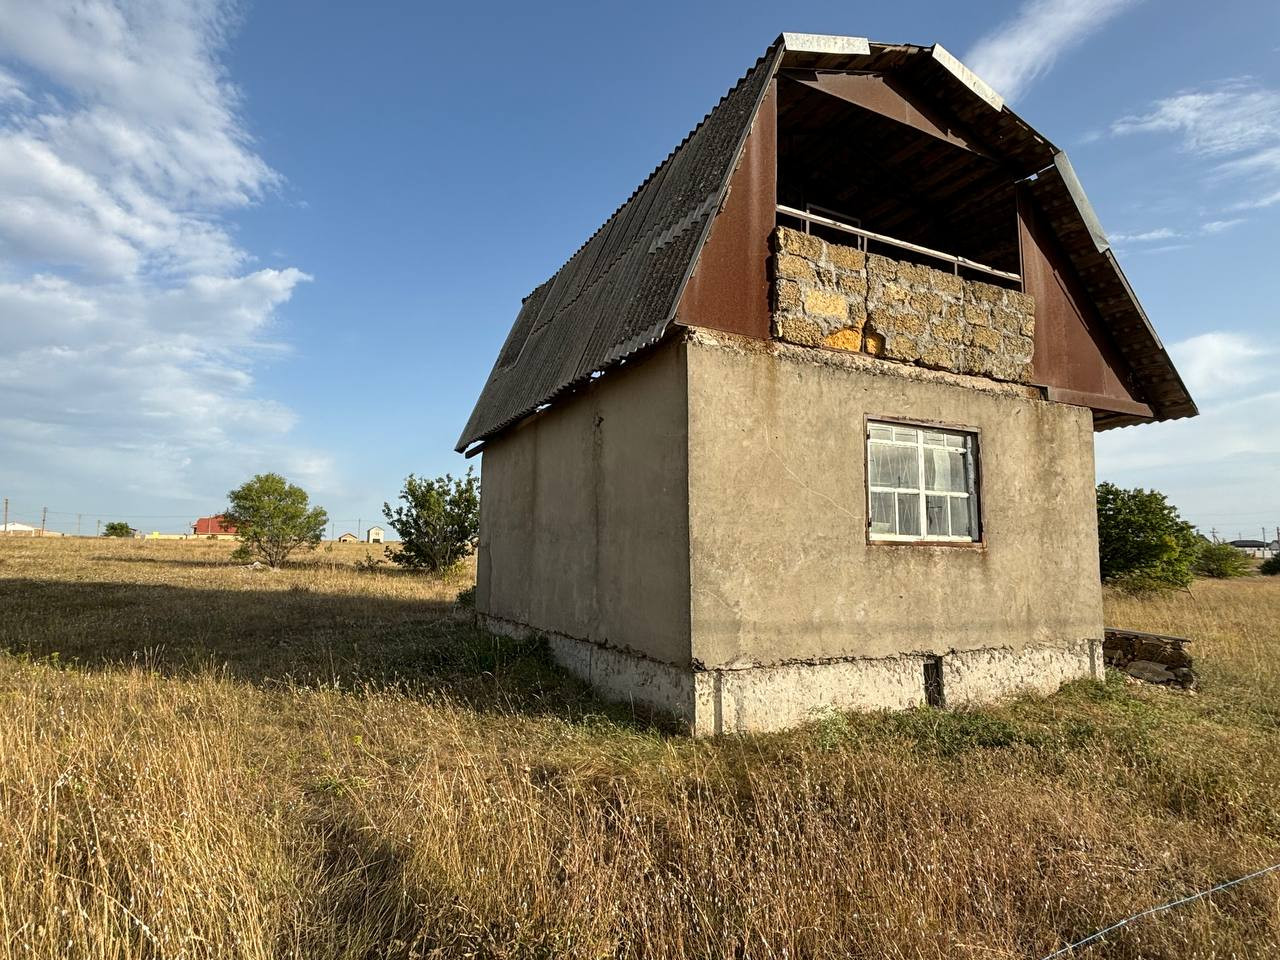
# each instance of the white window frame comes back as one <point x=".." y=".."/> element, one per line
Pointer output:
<point x="969" y="446"/>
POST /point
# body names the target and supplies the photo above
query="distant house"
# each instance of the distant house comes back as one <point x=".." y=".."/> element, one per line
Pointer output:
<point x="1255" y="548"/>
<point x="348" y="537"/>
<point x="373" y="535"/>
<point x="18" y="529"/>
<point x="215" y="527"/>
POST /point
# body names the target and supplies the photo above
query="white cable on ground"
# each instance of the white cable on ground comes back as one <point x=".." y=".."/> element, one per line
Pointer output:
<point x="1164" y="906"/>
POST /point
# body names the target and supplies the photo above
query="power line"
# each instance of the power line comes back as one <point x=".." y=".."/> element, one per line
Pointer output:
<point x="1164" y="906"/>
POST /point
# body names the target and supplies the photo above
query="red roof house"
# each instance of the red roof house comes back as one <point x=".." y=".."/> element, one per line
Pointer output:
<point x="213" y="527"/>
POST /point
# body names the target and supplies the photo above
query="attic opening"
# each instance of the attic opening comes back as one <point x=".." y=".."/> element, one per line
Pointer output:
<point x="856" y="149"/>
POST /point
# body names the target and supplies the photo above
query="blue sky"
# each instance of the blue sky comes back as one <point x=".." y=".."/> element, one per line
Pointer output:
<point x="292" y="236"/>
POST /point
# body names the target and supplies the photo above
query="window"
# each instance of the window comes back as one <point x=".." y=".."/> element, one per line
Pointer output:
<point x="921" y="483"/>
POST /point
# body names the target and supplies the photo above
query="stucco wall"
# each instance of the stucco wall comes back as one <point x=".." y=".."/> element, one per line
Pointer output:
<point x="583" y="514"/>
<point x="781" y="568"/>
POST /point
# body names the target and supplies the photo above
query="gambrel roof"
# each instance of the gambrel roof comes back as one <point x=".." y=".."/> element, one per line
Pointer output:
<point x="619" y="292"/>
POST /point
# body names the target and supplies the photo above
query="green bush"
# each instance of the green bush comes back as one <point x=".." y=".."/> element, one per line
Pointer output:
<point x="438" y="524"/>
<point x="118" y="528"/>
<point x="1270" y="566"/>
<point x="1220" y="561"/>
<point x="1143" y="544"/>
<point x="273" y="517"/>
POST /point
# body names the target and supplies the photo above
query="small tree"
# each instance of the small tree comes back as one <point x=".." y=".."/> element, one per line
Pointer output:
<point x="1142" y="542"/>
<point x="273" y="518"/>
<point x="1271" y="566"/>
<point x="1220" y="561"/>
<point x="438" y="523"/>
<point x="118" y="528"/>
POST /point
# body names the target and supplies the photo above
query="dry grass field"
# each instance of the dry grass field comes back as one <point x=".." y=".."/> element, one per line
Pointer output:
<point x="199" y="760"/>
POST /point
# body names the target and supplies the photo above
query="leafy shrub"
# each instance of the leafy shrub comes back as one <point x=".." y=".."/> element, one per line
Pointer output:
<point x="1270" y="566"/>
<point x="1143" y="544"/>
<point x="1220" y="561"/>
<point x="118" y="528"/>
<point x="438" y="524"/>
<point x="467" y="598"/>
<point x="273" y="518"/>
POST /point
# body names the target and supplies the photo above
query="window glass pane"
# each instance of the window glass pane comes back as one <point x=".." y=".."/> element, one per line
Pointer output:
<point x="944" y="470"/>
<point x="935" y="509"/>
<point x="908" y="434"/>
<point x="909" y="514"/>
<point x="955" y="440"/>
<point x="935" y="438"/>
<point x="879" y="431"/>
<point x="894" y="466"/>
<point x="961" y="525"/>
<point x="882" y="520"/>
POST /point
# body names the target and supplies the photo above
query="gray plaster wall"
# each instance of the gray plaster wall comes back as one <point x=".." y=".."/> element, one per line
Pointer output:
<point x="781" y="568"/>
<point x="584" y="514"/>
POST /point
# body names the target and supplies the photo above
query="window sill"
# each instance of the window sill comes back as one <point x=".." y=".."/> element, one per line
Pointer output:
<point x="949" y="544"/>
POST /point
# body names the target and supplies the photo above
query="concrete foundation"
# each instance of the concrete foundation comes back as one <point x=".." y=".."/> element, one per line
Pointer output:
<point x="764" y="698"/>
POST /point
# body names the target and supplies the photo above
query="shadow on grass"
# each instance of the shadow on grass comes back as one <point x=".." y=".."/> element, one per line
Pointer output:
<point x="293" y="636"/>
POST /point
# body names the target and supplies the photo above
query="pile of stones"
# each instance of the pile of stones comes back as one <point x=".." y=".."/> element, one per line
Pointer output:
<point x="1150" y="657"/>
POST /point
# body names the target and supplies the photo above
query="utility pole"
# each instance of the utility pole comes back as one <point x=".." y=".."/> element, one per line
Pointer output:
<point x="78" y="516"/>
<point x="359" y="532"/>
<point x="1213" y="534"/>
<point x="6" y="514"/>
<point x="44" y="514"/>
<point x="99" y="530"/>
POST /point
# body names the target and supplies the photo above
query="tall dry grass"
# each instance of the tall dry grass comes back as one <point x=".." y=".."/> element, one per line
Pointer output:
<point x="322" y="762"/>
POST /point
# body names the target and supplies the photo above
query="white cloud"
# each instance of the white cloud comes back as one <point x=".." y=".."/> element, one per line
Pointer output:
<point x="10" y="90"/>
<point x="131" y="328"/>
<point x="1233" y="126"/>
<point x="1223" y="463"/>
<point x="1217" y="226"/>
<point x="1013" y="55"/>
<point x="1160" y="233"/>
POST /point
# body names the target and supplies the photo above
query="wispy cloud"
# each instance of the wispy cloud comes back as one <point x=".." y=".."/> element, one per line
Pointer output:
<point x="132" y="324"/>
<point x="1232" y="126"/>
<point x="1020" y="50"/>
<point x="1160" y="233"/>
<point x="1217" y="226"/>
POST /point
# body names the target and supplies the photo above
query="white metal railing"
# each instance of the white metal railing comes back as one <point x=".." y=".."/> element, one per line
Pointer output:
<point x="951" y="258"/>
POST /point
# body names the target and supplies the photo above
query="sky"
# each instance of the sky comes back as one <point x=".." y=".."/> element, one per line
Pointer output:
<point x="240" y="237"/>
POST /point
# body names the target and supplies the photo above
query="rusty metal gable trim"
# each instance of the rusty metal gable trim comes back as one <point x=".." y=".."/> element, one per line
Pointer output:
<point x="1061" y="198"/>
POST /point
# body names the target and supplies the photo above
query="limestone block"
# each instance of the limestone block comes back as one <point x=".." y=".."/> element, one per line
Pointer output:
<point x="847" y="338"/>
<point x="799" y="330"/>
<point x="846" y="258"/>
<point x="825" y="303"/>
<point x="788" y="299"/>
<point x="788" y="266"/>
<point x="802" y="244"/>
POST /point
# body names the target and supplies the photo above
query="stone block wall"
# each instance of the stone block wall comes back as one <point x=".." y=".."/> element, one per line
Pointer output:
<point x="830" y="295"/>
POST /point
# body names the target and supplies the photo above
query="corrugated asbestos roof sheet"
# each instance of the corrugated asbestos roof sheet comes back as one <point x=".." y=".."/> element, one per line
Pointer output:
<point x="618" y="293"/>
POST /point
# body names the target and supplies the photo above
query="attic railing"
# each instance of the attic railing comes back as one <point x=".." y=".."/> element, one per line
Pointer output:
<point x="955" y="261"/>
